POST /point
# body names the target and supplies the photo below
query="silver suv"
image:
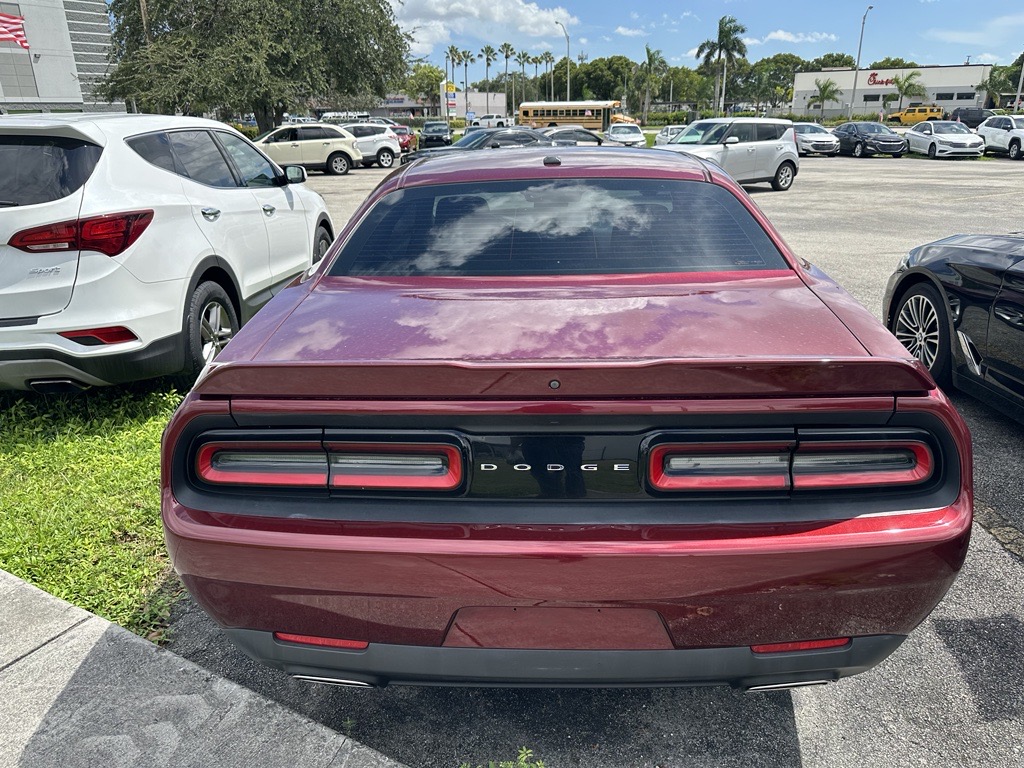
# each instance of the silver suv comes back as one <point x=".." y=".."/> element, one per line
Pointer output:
<point x="750" y="149"/>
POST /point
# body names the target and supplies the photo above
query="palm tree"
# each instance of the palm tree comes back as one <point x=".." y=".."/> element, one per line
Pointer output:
<point x="489" y="55"/>
<point x="549" y="60"/>
<point x="521" y="58"/>
<point x="648" y="75"/>
<point x="453" y="54"/>
<point x="907" y="87"/>
<point x="506" y="50"/>
<point x="467" y="59"/>
<point x="724" y="49"/>
<point x="536" y="61"/>
<point x="997" y="83"/>
<point x="827" y="91"/>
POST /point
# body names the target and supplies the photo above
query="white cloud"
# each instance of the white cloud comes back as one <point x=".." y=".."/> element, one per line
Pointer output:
<point x="997" y="31"/>
<point x="800" y="37"/>
<point x="627" y="32"/>
<point x="692" y="53"/>
<point x="434" y="24"/>
<point x="634" y="15"/>
<point x="986" y="58"/>
<point x="584" y="41"/>
<point x="751" y="41"/>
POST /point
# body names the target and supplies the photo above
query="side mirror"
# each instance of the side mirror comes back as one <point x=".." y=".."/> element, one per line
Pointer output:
<point x="295" y="174"/>
<point x="494" y="145"/>
<point x="732" y="140"/>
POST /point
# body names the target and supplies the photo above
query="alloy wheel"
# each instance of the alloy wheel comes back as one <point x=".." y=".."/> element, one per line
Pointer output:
<point x="215" y="329"/>
<point x="917" y="329"/>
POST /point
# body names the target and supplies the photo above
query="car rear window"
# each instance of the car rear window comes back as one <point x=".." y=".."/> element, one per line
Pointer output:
<point x="41" y="169"/>
<point x="565" y="227"/>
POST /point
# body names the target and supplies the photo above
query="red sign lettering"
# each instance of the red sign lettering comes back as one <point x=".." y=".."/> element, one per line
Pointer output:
<point x="874" y="79"/>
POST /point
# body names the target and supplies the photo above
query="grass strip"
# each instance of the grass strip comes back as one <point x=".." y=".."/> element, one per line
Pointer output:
<point x="80" y="499"/>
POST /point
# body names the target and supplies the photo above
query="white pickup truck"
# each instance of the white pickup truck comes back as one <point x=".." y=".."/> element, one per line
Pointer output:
<point x="493" y="121"/>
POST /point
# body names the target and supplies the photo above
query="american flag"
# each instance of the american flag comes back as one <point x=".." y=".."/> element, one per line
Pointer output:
<point x="12" y="28"/>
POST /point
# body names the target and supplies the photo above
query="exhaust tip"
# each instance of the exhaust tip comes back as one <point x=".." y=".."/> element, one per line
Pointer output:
<point x="784" y="686"/>
<point x="57" y="386"/>
<point x="334" y="681"/>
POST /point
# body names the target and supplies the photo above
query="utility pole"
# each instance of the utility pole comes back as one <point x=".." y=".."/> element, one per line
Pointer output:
<point x="856" y="69"/>
<point x="568" y="59"/>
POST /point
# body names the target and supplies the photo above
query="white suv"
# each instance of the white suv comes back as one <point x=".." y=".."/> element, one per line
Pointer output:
<point x="750" y="149"/>
<point x="377" y="143"/>
<point x="134" y="246"/>
<point x="493" y="121"/>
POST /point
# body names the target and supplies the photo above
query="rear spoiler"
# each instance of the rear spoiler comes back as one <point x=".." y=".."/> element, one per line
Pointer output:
<point x="760" y="377"/>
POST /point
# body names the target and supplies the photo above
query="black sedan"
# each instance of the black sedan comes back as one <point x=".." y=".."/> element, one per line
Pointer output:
<point x="487" y="138"/>
<point x="958" y="305"/>
<point x="863" y="139"/>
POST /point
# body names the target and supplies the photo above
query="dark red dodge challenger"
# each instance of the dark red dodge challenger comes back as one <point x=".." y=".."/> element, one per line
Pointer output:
<point x="569" y="417"/>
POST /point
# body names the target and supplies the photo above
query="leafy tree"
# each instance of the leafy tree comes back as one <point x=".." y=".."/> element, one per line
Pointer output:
<point x="683" y="85"/>
<point x="828" y="90"/>
<point x="892" y="62"/>
<point x="907" y="86"/>
<point x="242" y="55"/>
<point x="648" y="75"/>
<point x="774" y="77"/>
<point x="603" y="77"/>
<point x="507" y="51"/>
<point x="489" y="56"/>
<point x="424" y="82"/>
<point x="832" y="60"/>
<point x="723" y="50"/>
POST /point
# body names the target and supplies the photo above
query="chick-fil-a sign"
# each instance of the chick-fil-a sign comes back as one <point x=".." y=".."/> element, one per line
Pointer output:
<point x="874" y="79"/>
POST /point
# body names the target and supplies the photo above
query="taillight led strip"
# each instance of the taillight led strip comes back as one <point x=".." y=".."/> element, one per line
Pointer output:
<point x="343" y="465"/>
<point x="788" y="466"/>
<point x="110" y="234"/>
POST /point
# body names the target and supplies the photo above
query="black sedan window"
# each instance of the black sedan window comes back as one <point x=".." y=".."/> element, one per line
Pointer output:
<point x="523" y="227"/>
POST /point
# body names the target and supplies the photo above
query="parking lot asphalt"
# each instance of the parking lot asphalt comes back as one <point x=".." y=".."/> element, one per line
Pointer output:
<point x="77" y="691"/>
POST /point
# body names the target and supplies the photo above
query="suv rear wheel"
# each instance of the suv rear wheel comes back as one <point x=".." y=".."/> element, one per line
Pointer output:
<point x="1014" y="150"/>
<point x="210" y="323"/>
<point x="784" y="177"/>
<point x="385" y="158"/>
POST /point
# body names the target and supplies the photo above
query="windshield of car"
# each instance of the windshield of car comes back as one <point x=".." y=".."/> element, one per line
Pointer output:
<point x="714" y="134"/>
<point x="625" y="130"/>
<point x="1018" y="122"/>
<point x="951" y="128"/>
<point x="475" y="139"/>
<point x="41" y="169"/>
<point x="435" y="128"/>
<point x="564" y="227"/>
<point x="809" y="129"/>
<point x="875" y="128"/>
<point x="692" y="133"/>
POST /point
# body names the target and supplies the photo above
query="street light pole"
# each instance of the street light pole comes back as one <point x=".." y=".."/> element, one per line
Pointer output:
<point x="567" y="60"/>
<point x="856" y="69"/>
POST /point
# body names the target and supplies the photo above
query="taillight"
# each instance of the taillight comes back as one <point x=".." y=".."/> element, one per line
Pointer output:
<point x="110" y="234"/>
<point x="323" y="642"/>
<point x="797" y="466"/>
<point x="839" y="465"/>
<point x="393" y="466"/>
<point x="746" y="467"/>
<point x="353" y="466"/>
<point x="284" y="464"/>
<point x="94" y="337"/>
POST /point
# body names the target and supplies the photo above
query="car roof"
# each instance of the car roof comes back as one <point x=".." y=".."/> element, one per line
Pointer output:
<point x="102" y="127"/>
<point x="781" y="120"/>
<point x="557" y="162"/>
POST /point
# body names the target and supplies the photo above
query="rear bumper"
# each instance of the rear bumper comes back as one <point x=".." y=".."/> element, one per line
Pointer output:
<point x="381" y="664"/>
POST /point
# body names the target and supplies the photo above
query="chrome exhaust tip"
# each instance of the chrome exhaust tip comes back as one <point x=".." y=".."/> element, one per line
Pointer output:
<point x="784" y="686"/>
<point x="57" y="386"/>
<point x="334" y="681"/>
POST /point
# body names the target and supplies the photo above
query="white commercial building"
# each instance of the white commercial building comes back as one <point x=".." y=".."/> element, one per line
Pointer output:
<point x="52" y="53"/>
<point x="947" y="87"/>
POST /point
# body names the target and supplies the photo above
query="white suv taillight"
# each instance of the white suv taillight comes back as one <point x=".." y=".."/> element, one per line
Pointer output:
<point x="110" y="234"/>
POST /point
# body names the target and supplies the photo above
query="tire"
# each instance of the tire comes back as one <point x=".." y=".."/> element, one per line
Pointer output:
<point x="931" y="151"/>
<point x="858" y="149"/>
<point x="898" y="155"/>
<point x="385" y="158"/>
<point x="500" y="125"/>
<point x="338" y="164"/>
<point x="922" y="326"/>
<point x="210" y="323"/>
<point x="784" y="176"/>
<point x="321" y="242"/>
<point x="1014" y="150"/>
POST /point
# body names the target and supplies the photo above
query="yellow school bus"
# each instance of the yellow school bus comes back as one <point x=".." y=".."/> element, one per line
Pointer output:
<point x="596" y="115"/>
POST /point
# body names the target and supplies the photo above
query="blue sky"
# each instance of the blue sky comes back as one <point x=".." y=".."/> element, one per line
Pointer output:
<point x="925" y="31"/>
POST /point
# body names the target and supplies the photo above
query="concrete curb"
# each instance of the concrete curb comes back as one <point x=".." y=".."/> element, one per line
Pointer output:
<point x="76" y="690"/>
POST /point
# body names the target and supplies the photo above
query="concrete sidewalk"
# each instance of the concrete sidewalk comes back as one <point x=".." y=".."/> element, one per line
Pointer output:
<point x="76" y="690"/>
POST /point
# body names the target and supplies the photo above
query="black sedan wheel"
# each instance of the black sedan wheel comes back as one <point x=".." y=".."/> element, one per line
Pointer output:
<point x="858" y="149"/>
<point x="921" y="326"/>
